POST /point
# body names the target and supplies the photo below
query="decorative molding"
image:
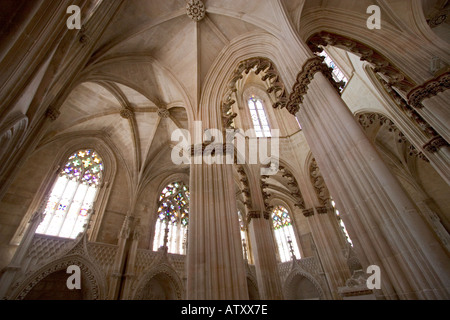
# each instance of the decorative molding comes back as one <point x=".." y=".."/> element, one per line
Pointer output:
<point x="304" y="78"/>
<point x="428" y="89"/>
<point x="322" y="210"/>
<point x="195" y="10"/>
<point x="381" y="64"/>
<point x="318" y="183"/>
<point x="409" y="111"/>
<point x="293" y="187"/>
<point x="369" y="119"/>
<point x="268" y="71"/>
<point x="308" y="212"/>
<point x="435" y="144"/>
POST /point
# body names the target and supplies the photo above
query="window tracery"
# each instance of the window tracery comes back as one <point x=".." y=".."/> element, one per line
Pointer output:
<point x="284" y="234"/>
<point x="173" y="218"/>
<point x="73" y="195"/>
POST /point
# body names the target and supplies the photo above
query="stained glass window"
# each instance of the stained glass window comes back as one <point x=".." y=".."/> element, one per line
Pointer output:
<point x="73" y="195"/>
<point x="338" y="75"/>
<point x="341" y="224"/>
<point x="259" y="117"/>
<point x="173" y="214"/>
<point x="284" y="233"/>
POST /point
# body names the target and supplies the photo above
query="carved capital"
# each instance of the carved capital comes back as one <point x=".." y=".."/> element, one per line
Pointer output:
<point x="308" y="212"/>
<point x="253" y="215"/>
<point x="304" y="78"/>
<point x="435" y="144"/>
<point x="382" y="65"/>
<point x="428" y="90"/>
<point x="322" y="210"/>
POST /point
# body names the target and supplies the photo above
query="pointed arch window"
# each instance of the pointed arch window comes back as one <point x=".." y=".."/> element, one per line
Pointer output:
<point x="259" y="118"/>
<point x="73" y="195"/>
<point x="284" y="234"/>
<point x="173" y="218"/>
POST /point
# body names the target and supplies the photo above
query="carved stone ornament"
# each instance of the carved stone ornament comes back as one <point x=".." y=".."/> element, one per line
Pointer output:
<point x="163" y="113"/>
<point x="268" y="72"/>
<point x="435" y="144"/>
<point x="126" y="113"/>
<point x="304" y="78"/>
<point x="428" y="90"/>
<point x="195" y="10"/>
<point x="52" y="113"/>
<point x="308" y="212"/>
<point x="369" y="119"/>
<point x="382" y="65"/>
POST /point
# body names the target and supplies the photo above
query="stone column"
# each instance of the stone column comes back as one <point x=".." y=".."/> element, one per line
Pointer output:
<point x="215" y="265"/>
<point x="329" y="246"/>
<point x="382" y="221"/>
<point x="266" y="265"/>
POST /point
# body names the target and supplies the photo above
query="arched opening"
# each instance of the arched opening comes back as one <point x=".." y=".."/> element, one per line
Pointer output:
<point x="159" y="287"/>
<point x="301" y="288"/>
<point x="173" y="218"/>
<point x="54" y="287"/>
<point x="284" y="234"/>
<point x="73" y="195"/>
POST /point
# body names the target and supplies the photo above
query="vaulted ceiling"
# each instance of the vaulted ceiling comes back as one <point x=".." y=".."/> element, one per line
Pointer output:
<point x="153" y="56"/>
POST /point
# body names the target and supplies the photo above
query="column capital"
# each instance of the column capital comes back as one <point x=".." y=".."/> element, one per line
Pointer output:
<point x="322" y="210"/>
<point x="308" y="212"/>
<point x="435" y="144"/>
<point x="429" y="89"/>
<point x="304" y="78"/>
<point x="253" y="215"/>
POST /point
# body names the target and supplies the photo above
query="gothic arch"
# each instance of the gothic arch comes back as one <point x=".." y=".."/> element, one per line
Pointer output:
<point x="73" y="143"/>
<point x="160" y="271"/>
<point x="289" y="288"/>
<point x="94" y="278"/>
<point x="247" y="47"/>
